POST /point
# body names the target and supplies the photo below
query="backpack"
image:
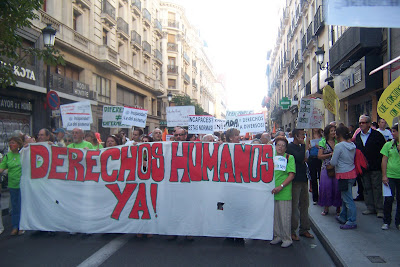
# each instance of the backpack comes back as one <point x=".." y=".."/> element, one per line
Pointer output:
<point x="360" y="162"/>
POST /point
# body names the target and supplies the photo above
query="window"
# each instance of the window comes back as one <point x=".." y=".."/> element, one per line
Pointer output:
<point x="171" y="61"/>
<point x="77" y="21"/>
<point x="103" y="89"/>
<point x="171" y="38"/>
<point x="135" y="61"/>
<point x="171" y="84"/>
<point x="105" y="37"/>
<point x="29" y="58"/>
<point x="145" y="67"/>
<point x="127" y="97"/>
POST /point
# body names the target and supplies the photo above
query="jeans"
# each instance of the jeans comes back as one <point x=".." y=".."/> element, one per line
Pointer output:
<point x="349" y="210"/>
<point x="15" y="195"/>
<point x="387" y="206"/>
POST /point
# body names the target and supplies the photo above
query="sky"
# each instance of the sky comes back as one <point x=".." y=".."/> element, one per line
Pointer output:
<point x="239" y="35"/>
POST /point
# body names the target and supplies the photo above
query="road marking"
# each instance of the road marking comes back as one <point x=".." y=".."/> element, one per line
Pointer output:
<point x="105" y="252"/>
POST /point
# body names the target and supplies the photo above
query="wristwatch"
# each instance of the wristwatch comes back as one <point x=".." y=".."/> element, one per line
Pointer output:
<point x="282" y="185"/>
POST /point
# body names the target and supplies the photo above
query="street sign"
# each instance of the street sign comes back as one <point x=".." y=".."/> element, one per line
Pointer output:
<point x="285" y="103"/>
<point x="56" y="113"/>
<point x="53" y="100"/>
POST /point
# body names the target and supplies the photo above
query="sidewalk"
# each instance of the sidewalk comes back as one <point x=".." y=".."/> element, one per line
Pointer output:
<point x="5" y="201"/>
<point x="365" y="246"/>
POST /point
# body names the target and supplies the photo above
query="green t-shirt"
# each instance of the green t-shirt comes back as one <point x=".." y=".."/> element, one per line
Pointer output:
<point x="82" y="144"/>
<point x="393" y="165"/>
<point x="12" y="162"/>
<point x="99" y="146"/>
<point x="280" y="177"/>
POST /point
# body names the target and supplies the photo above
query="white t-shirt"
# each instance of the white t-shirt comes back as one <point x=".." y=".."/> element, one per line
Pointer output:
<point x="386" y="133"/>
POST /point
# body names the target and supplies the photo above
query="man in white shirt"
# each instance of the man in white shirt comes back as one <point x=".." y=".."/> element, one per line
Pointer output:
<point x="382" y="129"/>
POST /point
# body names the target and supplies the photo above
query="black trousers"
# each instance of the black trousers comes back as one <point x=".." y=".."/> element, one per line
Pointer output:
<point x="314" y="164"/>
<point x="387" y="206"/>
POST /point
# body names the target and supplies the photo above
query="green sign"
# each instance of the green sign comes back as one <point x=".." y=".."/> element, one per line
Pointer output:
<point x="285" y="103"/>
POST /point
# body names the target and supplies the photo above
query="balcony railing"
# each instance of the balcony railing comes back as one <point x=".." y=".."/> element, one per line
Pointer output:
<point x="61" y="83"/>
<point x="136" y="38"/>
<point x="194" y="83"/>
<point x="173" y="24"/>
<point x="146" y="47"/>
<point x="318" y="20"/>
<point x="186" y="57"/>
<point x="309" y="33"/>
<point x="172" y="69"/>
<point x="137" y="4"/>
<point x="146" y="15"/>
<point x="108" y="9"/>
<point x="172" y="47"/>
<point x="298" y="60"/>
<point x="158" y="25"/>
<point x="304" y="42"/>
<point x="186" y="77"/>
<point x="158" y="55"/>
<point x="122" y="25"/>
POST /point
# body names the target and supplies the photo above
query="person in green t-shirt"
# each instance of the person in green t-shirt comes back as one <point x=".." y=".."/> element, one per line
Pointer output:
<point x="391" y="177"/>
<point x="12" y="162"/>
<point x="92" y="138"/>
<point x="77" y="136"/>
<point x="284" y="170"/>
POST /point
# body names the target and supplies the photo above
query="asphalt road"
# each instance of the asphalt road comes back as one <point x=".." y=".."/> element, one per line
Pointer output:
<point x="40" y="249"/>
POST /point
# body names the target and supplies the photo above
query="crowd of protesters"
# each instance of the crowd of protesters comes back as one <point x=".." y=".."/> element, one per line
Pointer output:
<point x="323" y="163"/>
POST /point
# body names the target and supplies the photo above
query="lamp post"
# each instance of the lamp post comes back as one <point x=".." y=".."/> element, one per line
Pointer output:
<point x="49" y="34"/>
<point x="169" y="97"/>
<point x="320" y="61"/>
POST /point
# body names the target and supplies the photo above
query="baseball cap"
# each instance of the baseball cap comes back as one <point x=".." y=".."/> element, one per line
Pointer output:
<point x="59" y="130"/>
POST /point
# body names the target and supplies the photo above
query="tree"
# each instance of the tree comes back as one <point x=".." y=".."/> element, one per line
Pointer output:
<point x="185" y="100"/>
<point x="15" y="15"/>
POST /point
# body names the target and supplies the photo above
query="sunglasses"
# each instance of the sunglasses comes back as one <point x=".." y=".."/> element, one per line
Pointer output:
<point x="182" y="134"/>
<point x="362" y="122"/>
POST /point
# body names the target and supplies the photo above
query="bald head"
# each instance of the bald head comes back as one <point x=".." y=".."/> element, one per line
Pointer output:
<point x="78" y="135"/>
<point x="265" y="138"/>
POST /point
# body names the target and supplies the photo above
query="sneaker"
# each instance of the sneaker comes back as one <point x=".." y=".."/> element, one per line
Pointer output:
<point x="379" y="215"/>
<point x="275" y="241"/>
<point x="339" y="220"/>
<point x="21" y="232"/>
<point x="286" y="244"/>
<point x="348" y="226"/>
<point x="368" y="212"/>
<point x="385" y="226"/>
<point x="315" y="203"/>
<point x="14" y="231"/>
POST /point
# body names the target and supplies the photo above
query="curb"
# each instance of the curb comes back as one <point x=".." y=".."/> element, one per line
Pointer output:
<point x="327" y="245"/>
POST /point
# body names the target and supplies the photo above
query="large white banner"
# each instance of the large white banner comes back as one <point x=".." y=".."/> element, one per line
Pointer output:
<point x="232" y="117"/>
<point x="134" y="117"/>
<point x="311" y="114"/>
<point x="201" y="124"/>
<point x="76" y="115"/>
<point x="219" y="125"/>
<point x="188" y="188"/>
<point x="251" y="123"/>
<point x="112" y="117"/>
<point x="363" y="13"/>
<point x="179" y="115"/>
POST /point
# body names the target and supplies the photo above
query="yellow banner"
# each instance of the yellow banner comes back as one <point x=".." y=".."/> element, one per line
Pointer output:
<point x="389" y="102"/>
<point x="330" y="100"/>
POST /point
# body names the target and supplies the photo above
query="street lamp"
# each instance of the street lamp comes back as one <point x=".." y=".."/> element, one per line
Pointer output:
<point x="320" y="58"/>
<point x="169" y="97"/>
<point x="49" y="35"/>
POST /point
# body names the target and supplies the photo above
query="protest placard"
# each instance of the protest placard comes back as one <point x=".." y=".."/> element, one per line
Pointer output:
<point x="232" y="119"/>
<point x="331" y="100"/>
<point x="219" y="125"/>
<point x="311" y="114"/>
<point x="251" y="123"/>
<point x="188" y="188"/>
<point x="112" y="117"/>
<point x="201" y="124"/>
<point x="134" y="117"/>
<point x="179" y="115"/>
<point x="389" y="102"/>
<point x="76" y="115"/>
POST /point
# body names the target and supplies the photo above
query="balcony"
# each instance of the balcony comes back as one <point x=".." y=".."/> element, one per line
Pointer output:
<point x="292" y="69"/>
<point x="146" y="17"/>
<point x="136" y="40"/>
<point x="109" y="58"/>
<point x="61" y="83"/>
<point x="194" y="84"/>
<point x="186" y="58"/>
<point x="309" y="33"/>
<point x="108" y="13"/>
<point x="304" y="43"/>
<point x="172" y="69"/>
<point x="353" y="45"/>
<point x="304" y="4"/>
<point x="172" y="47"/>
<point x="285" y="16"/>
<point x="146" y="49"/>
<point x="84" y="4"/>
<point x="298" y="60"/>
<point x="158" y="27"/>
<point x="158" y="56"/>
<point x="194" y="66"/>
<point x="186" y="78"/>
<point x="122" y="29"/>
<point x="136" y="7"/>
<point x="173" y="24"/>
<point x="318" y="20"/>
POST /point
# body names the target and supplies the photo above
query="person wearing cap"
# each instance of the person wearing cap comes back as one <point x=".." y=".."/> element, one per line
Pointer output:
<point x="60" y="133"/>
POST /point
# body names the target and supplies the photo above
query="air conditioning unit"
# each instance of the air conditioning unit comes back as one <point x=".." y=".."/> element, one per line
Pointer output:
<point x="93" y="95"/>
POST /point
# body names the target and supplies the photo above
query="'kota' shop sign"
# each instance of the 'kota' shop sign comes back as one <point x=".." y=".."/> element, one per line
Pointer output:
<point x="285" y="103"/>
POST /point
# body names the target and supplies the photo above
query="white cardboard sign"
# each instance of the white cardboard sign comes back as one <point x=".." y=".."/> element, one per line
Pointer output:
<point x="76" y="115"/>
<point x="179" y="115"/>
<point x="251" y="123"/>
<point x="201" y="124"/>
<point x="112" y="117"/>
<point x="134" y="117"/>
<point x="219" y="125"/>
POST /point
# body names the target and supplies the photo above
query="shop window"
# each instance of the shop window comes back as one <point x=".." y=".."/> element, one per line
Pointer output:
<point x="103" y="89"/>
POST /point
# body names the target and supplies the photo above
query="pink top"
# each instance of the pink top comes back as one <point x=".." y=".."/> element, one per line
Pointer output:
<point x="347" y="175"/>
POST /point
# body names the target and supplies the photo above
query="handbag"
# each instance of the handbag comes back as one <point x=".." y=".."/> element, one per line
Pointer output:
<point x="330" y="170"/>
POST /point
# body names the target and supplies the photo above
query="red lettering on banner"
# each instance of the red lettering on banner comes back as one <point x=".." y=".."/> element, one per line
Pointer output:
<point x="90" y="163"/>
<point x="114" y="154"/>
<point x="226" y="166"/>
<point x="128" y="164"/>
<point x="157" y="162"/>
<point x="242" y="163"/>
<point x="122" y="198"/>
<point x="140" y="204"/>
<point x="75" y="156"/>
<point x="195" y="172"/>
<point x="153" y="194"/>
<point x="144" y="154"/>
<point x="255" y="177"/>
<point x="179" y="162"/>
<point x="267" y="165"/>
<point x="39" y="171"/>
<point x="210" y="162"/>
<point x="56" y="161"/>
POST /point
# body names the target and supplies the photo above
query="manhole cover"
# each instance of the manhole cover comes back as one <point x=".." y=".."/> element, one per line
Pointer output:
<point x="376" y="259"/>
